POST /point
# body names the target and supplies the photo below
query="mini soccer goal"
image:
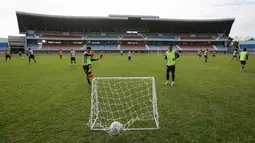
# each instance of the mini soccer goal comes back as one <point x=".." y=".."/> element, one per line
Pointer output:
<point x="131" y="101"/>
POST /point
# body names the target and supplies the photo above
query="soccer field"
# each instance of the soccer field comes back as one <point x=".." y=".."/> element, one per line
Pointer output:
<point x="50" y="101"/>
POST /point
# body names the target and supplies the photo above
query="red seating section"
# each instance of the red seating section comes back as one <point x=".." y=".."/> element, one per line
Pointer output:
<point x="197" y="38"/>
<point x="60" y="46"/>
<point x="195" y="47"/>
<point x="140" y="46"/>
<point x="60" y="36"/>
<point x="132" y="37"/>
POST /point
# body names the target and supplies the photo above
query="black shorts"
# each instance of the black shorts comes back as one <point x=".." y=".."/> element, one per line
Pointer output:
<point x="129" y="58"/>
<point x="243" y="62"/>
<point x="170" y="68"/>
<point x="7" y="56"/>
<point x="86" y="68"/>
<point x="72" y="59"/>
<point x="213" y="55"/>
<point x="199" y="55"/>
<point x="206" y="56"/>
<point x="101" y="56"/>
<point x="31" y="57"/>
<point x="234" y="56"/>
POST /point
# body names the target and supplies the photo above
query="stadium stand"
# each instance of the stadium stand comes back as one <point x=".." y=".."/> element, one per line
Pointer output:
<point x="196" y="38"/>
<point x="61" y="36"/>
<point x="33" y="46"/>
<point x="4" y="44"/>
<point x="61" y="46"/>
<point x="132" y="37"/>
<point x="220" y="47"/>
<point x="161" y="47"/>
<point x="250" y="45"/>
<point x="134" y="47"/>
<point x="102" y="37"/>
<point x="103" y="47"/>
<point x="153" y="31"/>
<point x="193" y="47"/>
<point x="161" y="37"/>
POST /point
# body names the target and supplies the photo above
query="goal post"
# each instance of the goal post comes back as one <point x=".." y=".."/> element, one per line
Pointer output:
<point x="131" y="101"/>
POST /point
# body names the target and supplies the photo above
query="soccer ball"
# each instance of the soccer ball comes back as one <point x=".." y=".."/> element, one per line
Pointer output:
<point x="116" y="128"/>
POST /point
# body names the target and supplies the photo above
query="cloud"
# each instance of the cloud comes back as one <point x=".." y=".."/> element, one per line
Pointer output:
<point x="235" y="3"/>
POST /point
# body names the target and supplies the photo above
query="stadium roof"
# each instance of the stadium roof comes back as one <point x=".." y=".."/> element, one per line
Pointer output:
<point x="120" y="23"/>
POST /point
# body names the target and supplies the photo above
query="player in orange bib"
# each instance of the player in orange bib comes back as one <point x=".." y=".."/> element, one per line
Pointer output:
<point x="60" y="53"/>
<point x="101" y="55"/>
<point x="214" y="54"/>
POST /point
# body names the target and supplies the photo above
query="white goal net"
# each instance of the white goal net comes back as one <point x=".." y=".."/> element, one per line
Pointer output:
<point x="129" y="100"/>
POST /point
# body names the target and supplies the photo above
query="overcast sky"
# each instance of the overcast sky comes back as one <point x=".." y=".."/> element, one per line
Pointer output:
<point x="242" y="10"/>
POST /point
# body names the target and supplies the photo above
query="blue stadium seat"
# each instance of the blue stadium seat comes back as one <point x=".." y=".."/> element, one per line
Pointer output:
<point x="103" y="47"/>
<point x="221" y="47"/>
<point x="4" y="46"/>
<point x="33" y="46"/>
<point x="160" y="47"/>
<point x="248" y="46"/>
<point x="161" y="37"/>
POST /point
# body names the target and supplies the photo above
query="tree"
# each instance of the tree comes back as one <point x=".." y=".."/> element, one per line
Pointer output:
<point x="251" y="39"/>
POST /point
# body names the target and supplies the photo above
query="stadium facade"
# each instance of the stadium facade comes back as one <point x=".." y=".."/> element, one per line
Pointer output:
<point x="118" y="32"/>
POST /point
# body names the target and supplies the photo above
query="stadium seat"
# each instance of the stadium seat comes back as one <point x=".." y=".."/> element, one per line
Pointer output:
<point x="60" y="36"/>
<point x="103" y="47"/>
<point x="4" y="46"/>
<point x="132" y="37"/>
<point x="160" y="47"/>
<point x="161" y="37"/>
<point x="193" y="47"/>
<point x="140" y="46"/>
<point x="250" y="47"/>
<point x="60" y="46"/>
<point x="220" y="47"/>
<point x="197" y="38"/>
<point x="33" y="46"/>
<point x="102" y="37"/>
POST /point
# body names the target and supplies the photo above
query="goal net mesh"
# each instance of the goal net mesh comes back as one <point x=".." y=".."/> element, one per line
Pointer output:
<point x="128" y="100"/>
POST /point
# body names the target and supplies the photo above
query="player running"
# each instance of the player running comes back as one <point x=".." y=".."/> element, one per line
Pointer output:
<point x="171" y="56"/>
<point x="129" y="55"/>
<point x="60" y="52"/>
<point x="31" y="55"/>
<point x="234" y="54"/>
<point x="199" y="53"/>
<point x="73" y="56"/>
<point x="214" y="54"/>
<point x="87" y="67"/>
<point x="101" y="55"/>
<point x="20" y="53"/>
<point x="243" y="58"/>
<point x="206" y="55"/>
<point x="7" y="55"/>
<point x="121" y="52"/>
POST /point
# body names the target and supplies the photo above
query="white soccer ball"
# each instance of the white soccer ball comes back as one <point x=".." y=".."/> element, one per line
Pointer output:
<point x="116" y="128"/>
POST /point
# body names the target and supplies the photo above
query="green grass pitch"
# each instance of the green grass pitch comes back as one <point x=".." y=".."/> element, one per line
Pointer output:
<point x="50" y="101"/>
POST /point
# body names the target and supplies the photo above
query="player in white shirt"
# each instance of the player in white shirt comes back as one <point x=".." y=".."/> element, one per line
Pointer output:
<point x="234" y="55"/>
<point x="121" y="52"/>
<point x="129" y="55"/>
<point x="73" y="55"/>
<point x="31" y="55"/>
